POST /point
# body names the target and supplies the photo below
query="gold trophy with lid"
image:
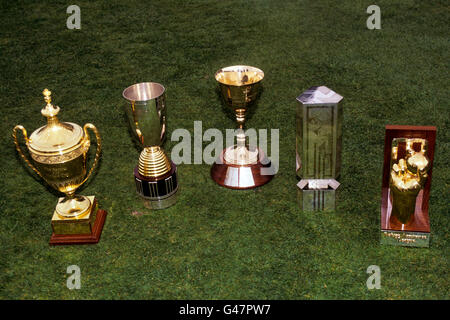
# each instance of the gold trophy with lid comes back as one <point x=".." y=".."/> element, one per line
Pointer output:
<point x="59" y="155"/>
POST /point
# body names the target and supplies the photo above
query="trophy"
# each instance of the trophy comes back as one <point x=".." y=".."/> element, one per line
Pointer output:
<point x="58" y="155"/>
<point x="241" y="166"/>
<point x="318" y="148"/>
<point x="155" y="175"/>
<point x="406" y="183"/>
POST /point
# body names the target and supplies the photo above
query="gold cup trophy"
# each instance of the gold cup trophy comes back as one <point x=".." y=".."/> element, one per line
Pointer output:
<point x="240" y="166"/>
<point x="155" y="175"/>
<point x="59" y="156"/>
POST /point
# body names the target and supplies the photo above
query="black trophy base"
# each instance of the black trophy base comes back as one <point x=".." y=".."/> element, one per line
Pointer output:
<point x="159" y="192"/>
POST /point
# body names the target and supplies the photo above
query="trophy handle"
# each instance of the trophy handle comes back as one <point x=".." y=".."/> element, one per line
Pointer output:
<point x="99" y="147"/>
<point x="19" y="150"/>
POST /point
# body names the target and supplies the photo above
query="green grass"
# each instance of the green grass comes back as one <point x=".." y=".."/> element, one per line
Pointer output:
<point x="217" y="243"/>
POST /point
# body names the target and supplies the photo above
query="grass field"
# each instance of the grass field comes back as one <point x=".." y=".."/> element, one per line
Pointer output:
<point x="217" y="243"/>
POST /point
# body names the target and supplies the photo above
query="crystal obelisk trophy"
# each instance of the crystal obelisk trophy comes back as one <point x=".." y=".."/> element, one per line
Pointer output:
<point x="241" y="166"/>
<point x="58" y="155"/>
<point x="155" y="175"/>
<point x="318" y="147"/>
<point x="408" y="161"/>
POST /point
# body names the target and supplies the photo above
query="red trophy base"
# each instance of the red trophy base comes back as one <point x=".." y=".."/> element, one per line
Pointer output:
<point x="75" y="239"/>
<point x="246" y="176"/>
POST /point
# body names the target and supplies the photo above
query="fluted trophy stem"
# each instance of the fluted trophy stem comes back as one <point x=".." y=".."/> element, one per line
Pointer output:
<point x="240" y="117"/>
<point x="153" y="162"/>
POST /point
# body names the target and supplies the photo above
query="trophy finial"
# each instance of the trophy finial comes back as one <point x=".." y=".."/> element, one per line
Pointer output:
<point x="47" y="95"/>
<point x="50" y="111"/>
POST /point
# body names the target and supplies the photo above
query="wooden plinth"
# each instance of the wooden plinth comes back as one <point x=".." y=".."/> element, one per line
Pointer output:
<point x="71" y="239"/>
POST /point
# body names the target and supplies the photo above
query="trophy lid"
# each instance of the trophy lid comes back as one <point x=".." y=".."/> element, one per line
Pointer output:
<point x="319" y="95"/>
<point x="55" y="137"/>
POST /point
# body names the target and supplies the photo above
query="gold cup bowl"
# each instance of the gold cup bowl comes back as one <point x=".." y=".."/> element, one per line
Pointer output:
<point x="58" y="155"/>
<point x="240" y="87"/>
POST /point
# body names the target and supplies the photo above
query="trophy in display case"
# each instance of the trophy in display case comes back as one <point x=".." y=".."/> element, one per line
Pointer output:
<point x="318" y="148"/>
<point x="408" y="160"/>
<point x="155" y="175"/>
<point x="241" y="166"/>
<point x="59" y="153"/>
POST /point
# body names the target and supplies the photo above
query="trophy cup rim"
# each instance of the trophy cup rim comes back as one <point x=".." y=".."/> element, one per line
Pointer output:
<point x="159" y="94"/>
<point x="230" y="68"/>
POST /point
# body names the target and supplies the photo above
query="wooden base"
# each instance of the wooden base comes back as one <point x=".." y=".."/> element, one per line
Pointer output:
<point x="240" y="177"/>
<point x="71" y="239"/>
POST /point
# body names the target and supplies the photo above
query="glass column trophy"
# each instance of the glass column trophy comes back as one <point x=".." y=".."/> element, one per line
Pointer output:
<point x="155" y="175"/>
<point x="318" y="148"/>
<point x="408" y="160"/>
<point x="241" y="166"/>
<point x="59" y="156"/>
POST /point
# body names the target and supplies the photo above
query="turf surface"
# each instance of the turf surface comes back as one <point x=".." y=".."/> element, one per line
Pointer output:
<point x="217" y="243"/>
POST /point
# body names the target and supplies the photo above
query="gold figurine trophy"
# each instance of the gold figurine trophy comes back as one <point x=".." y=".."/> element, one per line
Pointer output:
<point x="408" y="160"/>
<point x="241" y="166"/>
<point x="59" y="154"/>
<point x="155" y="175"/>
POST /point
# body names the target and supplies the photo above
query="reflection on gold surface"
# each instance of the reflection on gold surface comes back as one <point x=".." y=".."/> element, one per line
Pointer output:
<point x="239" y="76"/>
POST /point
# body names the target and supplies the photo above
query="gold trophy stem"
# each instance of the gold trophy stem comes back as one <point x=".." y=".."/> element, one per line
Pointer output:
<point x="73" y="205"/>
<point x="240" y="117"/>
<point x="153" y="162"/>
<point x="240" y="139"/>
<point x="239" y="153"/>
